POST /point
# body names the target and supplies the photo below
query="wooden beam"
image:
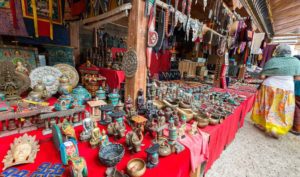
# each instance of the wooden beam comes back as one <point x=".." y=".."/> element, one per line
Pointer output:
<point x="108" y="20"/>
<point x="137" y="37"/>
<point x="288" y="30"/>
<point x="115" y="11"/>
<point x="74" y="40"/>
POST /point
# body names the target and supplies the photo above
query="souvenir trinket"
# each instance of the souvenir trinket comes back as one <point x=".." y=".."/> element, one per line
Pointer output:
<point x="151" y="111"/>
<point x="114" y="98"/>
<point x="12" y="83"/>
<point x="95" y="138"/>
<point x="194" y="128"/>
<point x="129" y="63"/>
<point x="100" y="94"/>
<point x="48" y="75"/>
<point x="189" y="114"/>
<point x="152" y="156"/>
<point x="64" y="85"/>
<point x="113" y="172"/>
<point x="111" y="154"/>
<point x="95" y="105"/>
<point x="69" y="154"/>
<point x="119" y="106"/>
<point x="117" y="128"/>
<point x="134" y="140"/>
<point x="106" y="110"/>
<point x="172" y="132"/>
<point x="81" y="95"/>
<point x="21" y="68"/>
<point x="23" y="150"/>
<point x="104" y="139"/>
<point x="88" y="126"/>
<point x="139" y="122"/>
<point x="64" y="102"/>
<point x="136" y="167"/>
<point x="164" y="147"/>
<point x="141" y="102"/>
<point x="70" y="72"/>
<point x="39" y="92"/>
<point x="68" y="130"/>
<point x="128" y="104"/>
<point x="92" y="83"/>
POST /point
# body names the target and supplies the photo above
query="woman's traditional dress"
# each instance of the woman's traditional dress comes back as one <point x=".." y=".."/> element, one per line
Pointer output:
<point x="275" y="104"/>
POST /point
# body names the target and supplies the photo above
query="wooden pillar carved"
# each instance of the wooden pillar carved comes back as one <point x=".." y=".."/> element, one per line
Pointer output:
<point x="137" y="35"/>
<point x="74" y="40"/>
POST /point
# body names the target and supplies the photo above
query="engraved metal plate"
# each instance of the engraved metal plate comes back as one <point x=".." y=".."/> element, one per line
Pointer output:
<point x="129" y="63"/>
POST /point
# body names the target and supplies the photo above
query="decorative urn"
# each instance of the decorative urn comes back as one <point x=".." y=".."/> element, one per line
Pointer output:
<point x="81" y="95"/>
<point x="101" y="95"/>
<point x="114" y="98"/>
<point x="64" y="85"/>
<point x="64" y="102"/>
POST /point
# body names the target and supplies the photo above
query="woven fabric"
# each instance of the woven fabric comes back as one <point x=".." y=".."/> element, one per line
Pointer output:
<point x="8" y="27"/>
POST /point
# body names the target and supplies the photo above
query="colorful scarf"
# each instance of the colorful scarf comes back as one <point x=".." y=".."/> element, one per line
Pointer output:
<point x="282" y="64"/>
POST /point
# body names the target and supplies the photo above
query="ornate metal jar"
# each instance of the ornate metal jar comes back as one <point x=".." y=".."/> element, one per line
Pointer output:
<point x="64" y="85"/>
<point x="64" y="102"/>
<point x="101" y="95"/>
<point x="114" y="98"/>
<point x="81" y="95"/>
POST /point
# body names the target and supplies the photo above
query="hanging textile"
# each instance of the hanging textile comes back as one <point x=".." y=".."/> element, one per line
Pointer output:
<point x="43" y="16"/>
<point x="267" y="53"/>
<point x="11" y="19"/>
<point x="152" y="34"/>
<point x="256" y="42"/>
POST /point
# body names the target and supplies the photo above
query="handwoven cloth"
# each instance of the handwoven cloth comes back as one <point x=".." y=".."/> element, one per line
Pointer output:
<point x="7" y="21"/>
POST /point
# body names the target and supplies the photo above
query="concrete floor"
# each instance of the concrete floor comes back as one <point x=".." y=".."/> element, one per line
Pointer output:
<point x="254" y="154"/>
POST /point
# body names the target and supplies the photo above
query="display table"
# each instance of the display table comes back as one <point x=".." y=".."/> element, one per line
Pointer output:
<point x="114" y="78"/>
<point x="175" y="165"/>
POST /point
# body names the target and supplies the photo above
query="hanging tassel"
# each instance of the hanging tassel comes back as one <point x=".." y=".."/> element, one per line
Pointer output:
<point x="50" y="18"/>
<point x="35" y="20"/>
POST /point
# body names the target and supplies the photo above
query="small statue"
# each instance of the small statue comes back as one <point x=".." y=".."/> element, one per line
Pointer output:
<point x="134" y="140"/>
<point x="194" y="129"/>
<point x="104" y="139"/>
<point x="68" y="130"/>
<point x="21" y="68"/>
<point x="175" y="117"/>
<point x="141" y="102"/>
<point x="152" y="156"/>
<point x="128" y="104"/>
<point x="88" y="126"/>
<point x="182" y="128"/>
<point x="95" y="139"/>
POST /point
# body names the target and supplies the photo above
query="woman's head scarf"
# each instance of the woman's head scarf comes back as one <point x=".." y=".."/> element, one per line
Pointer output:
<point x="283" y="50"/>
<point x="282" y="63"/>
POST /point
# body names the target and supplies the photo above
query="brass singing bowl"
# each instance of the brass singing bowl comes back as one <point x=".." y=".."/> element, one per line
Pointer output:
<point x="189" y="114"/>
<point x="136" y="167"/>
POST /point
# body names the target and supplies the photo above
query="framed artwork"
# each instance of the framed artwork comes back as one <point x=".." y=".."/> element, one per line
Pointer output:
<point x="4" y="4"/>
<point x="27" y="55"/>
<point x="42" y="8"/>
<point x="59" y="54"/>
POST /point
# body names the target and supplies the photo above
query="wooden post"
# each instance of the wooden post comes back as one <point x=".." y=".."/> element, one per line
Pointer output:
<point x="137" y="35"/>
<point x="74" y="40"/>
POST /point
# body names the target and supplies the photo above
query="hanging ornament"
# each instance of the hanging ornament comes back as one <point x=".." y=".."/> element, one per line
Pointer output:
<point x="161" y="31"/>
<point x="183" y="5"/>
<point x="152" y="34"/>
<point x="204" y="4"/>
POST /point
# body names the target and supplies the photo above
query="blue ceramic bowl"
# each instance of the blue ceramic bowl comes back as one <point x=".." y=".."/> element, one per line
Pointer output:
<point x="111" y="154"/>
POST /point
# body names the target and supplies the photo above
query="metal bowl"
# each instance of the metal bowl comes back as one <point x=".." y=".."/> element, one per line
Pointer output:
<point x="111" y="154"/>
<point x="136" y="167"/>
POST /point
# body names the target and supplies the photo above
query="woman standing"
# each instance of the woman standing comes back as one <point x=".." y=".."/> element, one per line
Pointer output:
<point x="296" y="125"/>
<point x="274" y="106"/>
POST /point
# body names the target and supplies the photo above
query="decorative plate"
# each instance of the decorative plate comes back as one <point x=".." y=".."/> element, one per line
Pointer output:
<point x="48" y="75"/>
<point x="70" y="72"/>
<point x="129" y="63"/>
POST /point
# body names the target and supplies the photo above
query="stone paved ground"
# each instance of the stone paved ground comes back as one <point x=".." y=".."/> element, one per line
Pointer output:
<point x="254" y="154"/>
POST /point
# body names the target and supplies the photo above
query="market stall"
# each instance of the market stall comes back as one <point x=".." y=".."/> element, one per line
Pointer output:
<point x="133" y="87"/>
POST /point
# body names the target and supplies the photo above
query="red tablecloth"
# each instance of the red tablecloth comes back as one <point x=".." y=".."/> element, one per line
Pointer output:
<point x="176" y="165"/>
<point x="114" y="78"/>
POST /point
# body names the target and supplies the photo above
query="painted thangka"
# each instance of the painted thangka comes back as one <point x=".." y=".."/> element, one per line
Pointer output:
<point x="27" y="55"/>
<point x="59" y="54"/>
<point x="44" y="14"/>
<point x="12" y="22"/>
